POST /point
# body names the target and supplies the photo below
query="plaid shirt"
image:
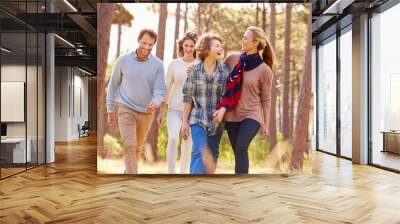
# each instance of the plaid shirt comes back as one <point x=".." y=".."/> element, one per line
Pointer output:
<point x="205" y="93"/>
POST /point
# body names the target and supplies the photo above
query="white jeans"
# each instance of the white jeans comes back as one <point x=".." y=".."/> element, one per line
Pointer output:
<point x="174" y="124"/>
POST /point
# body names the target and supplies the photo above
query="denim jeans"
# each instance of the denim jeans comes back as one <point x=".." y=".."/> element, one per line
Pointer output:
<point x="201" y="143"/>
<point x="240" y="135"/>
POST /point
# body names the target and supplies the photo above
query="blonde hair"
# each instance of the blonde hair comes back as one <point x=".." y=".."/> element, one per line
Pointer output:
<point x="268" y="53"/>
<point x="203" y="46"/>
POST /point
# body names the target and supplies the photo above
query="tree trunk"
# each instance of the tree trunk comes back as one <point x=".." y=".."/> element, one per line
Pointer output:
<point x="152" y="137"/>
<point x="272" y="122"/>
<point x="294" y="93"/>
<point x="199" y="18"/>
<point x="209" y="12"/>
<point x="225" y="50"/>
<point x="257" y="14"/>
<point x="280" y="117"/>
<point x="286" y="73"/>
<point x="185" y="18"/>
<point x="292" y="105"/>
<point x="104" y="14"/>
<point x="264" y="17"/>
<point x="300" y="138"/>
<point x="298" y="82"/>
<point x="177" y="21"/>
<point x="119" y="40"/>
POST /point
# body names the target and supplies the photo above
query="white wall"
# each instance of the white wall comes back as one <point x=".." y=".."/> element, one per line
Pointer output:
<point x="314" y="94"/>
<point x="81" y="94"/>
<point x="61" y="103"/>
<point x="13" y="73"/>
<point x="70" y="84"/>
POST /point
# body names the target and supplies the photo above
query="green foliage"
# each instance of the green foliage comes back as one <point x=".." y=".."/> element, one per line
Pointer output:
<point x="225" y="150"/>
<point x="114" y="146"/>
<point x="121" y="15"/>
<point x="258" y="150"/>
<point x="162" y="140"/>
<point x="230" y="25"/>
<point x="154" y="7"/>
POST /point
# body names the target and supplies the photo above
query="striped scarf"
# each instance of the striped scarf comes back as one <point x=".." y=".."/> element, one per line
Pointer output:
<point x="231" y="97"/>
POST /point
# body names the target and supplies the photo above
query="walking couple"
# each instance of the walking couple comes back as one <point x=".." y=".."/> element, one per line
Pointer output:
<point x="204" y="96"/>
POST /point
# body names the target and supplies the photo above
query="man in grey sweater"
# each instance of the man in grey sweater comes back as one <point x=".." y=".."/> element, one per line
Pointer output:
<point x="137" y="86"/>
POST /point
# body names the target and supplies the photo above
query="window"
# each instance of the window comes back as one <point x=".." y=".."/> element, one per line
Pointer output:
<point x="327" y="96"/>
<point x="346" y="93"/>
<point x="23" y="77"/>
<point x="385" y="88"/>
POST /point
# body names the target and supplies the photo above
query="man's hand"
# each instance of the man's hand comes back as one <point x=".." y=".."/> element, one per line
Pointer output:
<point x="185" y="130"/>
<point x="151" y="108"/>
<point x="218" y="115"/>
<point x="111" y="120"/>
<point x="160" y="118"/>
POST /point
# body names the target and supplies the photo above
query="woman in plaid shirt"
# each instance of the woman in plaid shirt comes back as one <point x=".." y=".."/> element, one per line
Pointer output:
<point x="202" y="91"/>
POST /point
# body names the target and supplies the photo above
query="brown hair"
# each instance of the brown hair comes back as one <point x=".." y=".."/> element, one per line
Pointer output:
<point x="148" y="31"/>
<point x="268" y="53"/>
<point x="188" y="36"/>
<point x="204" y="44"/>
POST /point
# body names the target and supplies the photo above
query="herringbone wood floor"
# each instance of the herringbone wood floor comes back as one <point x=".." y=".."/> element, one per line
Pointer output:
<point x="70" y="191"/>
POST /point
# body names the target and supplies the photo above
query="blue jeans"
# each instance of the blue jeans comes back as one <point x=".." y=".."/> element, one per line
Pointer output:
<point x="202" y="142"/>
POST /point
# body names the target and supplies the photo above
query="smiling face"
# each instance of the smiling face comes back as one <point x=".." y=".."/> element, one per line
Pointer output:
<point x="188" y="47"/>
<point x="146" y="44"/>
<point x="210" y="46"/>
<point x="248" y="42"/>
<point x="216" y="50"/>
